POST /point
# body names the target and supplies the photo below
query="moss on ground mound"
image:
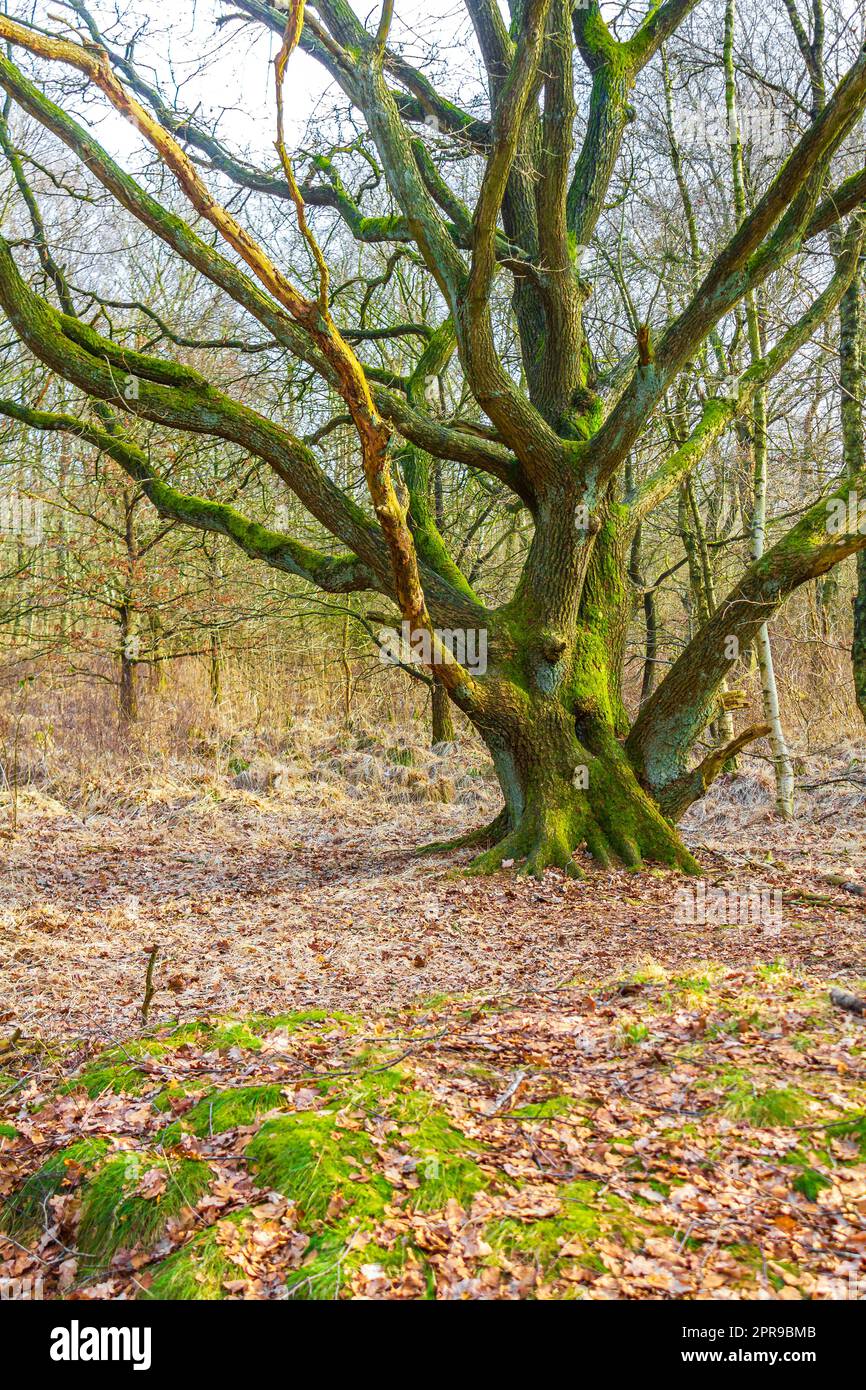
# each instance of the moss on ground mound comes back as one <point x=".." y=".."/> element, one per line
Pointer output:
<point x="136" y="1066"/>
<point x="455" y="1152"/>
<point x="320" y="1158"/>
<point x="25" y="1213"/>
<point x="126" y="1198"/>
<point x="213" y="1114"/>
<point x="118" y="1211"/>
<point x="199" y="1270"/>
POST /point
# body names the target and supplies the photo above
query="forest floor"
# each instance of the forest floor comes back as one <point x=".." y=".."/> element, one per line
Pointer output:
<point x="364" y="1075"/>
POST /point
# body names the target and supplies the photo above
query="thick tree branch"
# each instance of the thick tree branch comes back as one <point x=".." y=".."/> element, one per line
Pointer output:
<point x="676" y="798"/>
<point x="671" y="720"/>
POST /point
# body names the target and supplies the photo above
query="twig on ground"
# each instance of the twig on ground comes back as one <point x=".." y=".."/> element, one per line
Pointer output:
<point x="513" y="1086"/>
<point x="149" y="989"/>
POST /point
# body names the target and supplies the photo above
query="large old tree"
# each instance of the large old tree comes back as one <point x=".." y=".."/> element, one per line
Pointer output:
<point x="494" y="205"/>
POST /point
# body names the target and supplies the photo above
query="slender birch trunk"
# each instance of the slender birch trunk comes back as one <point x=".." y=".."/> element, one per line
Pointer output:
<point x="781" y="757"/>
<point x="852" y="333"/>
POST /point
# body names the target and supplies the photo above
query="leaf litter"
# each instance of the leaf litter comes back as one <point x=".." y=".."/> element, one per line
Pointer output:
<point x="366" y="1077"/>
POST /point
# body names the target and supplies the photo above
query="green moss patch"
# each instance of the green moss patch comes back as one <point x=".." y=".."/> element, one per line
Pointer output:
<point x="853" y="1128"/>
<point x="126" y="1198"/>
<point x="546" y="1109"/>
<point x="262" y="1024"/>
<point x="329" y="1171"/>
<point x="311" y="1159"/>
<point x="123" y="1070"/>
<point x="809" y="1182"/>
<point x="119" y="1069"/>
<point x="768" y="1107"/>
<point x="311" y="1155"/>
<point x="223" y="1110"/>
<point x="446" y="1167"/>
<point x="26" y="1213"/>
<point x="212" y="1035"/>
<point x="572" y="1230"/>
<point x="117" y="1211"/>
<point x="199" y="1270"/>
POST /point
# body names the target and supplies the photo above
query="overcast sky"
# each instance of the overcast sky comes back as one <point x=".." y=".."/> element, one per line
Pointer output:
<point x="232" y="67"/>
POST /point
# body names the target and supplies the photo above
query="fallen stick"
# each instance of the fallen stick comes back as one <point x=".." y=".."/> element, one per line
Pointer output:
<point x="149" y="990"/>
<point x="516" y="1082"/>
<point x="852" y="1002"/>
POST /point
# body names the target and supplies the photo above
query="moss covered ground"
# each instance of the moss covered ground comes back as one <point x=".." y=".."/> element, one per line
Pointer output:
<point x="699" y="1135"/>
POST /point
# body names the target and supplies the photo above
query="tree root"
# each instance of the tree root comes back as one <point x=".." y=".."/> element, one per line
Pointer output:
<point x="612" y="816"/>
<point x="535" y="845"/>
<point x="484" y="835"/>
<point x="548" y="839"/>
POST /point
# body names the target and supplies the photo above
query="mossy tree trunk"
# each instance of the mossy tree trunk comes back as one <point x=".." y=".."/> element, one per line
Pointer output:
<point x="566" y="782"/>
<point x="550" y="709"/>
<point x="127" y="689"/>
<point x="441" y="723"/>
<point x="852" y="364"/>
